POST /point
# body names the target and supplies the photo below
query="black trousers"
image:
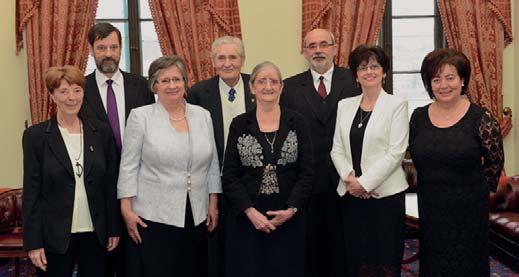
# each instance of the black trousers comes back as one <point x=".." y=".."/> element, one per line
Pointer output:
<point x="115" y="259"/>
<point x="85" y="250"/>
<point x="168" y="250"/>
<point x="325" y="251"/>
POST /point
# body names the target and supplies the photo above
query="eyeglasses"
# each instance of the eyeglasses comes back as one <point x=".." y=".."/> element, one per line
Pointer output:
<point x="166" y="81"/>
<point x="371" y="67"/>
<point x="322" y="45"/>
<point x="264" y="81"/>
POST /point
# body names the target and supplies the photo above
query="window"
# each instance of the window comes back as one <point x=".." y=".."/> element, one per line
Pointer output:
<point x="140" y="45"/>
<point x="412" y="28"/>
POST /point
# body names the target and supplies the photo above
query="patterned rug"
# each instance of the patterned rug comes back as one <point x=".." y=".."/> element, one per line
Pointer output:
<point x="497" y="269"/>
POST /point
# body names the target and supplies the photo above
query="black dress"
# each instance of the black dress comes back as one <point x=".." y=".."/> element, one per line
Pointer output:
<point x="373" y="228"/>
<point x="457" y="167"/>
<point x="267" y="171"/>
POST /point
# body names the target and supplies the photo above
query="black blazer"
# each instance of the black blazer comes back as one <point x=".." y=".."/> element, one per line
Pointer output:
<point x="242" y="178"/>
<point x="206" y="94"/>
<point x="49" y="185"/>
<point x="299" y="94"/>
<point x="136" y="94"/>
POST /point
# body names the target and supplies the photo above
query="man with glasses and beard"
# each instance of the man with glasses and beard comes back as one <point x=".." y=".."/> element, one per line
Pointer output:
<point x="110" y="95"/>
<point x="315" y="93"/>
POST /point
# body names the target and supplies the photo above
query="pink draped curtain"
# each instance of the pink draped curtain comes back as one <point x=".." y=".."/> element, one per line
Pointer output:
<point x="481" y="29"/>
<point x="353" y="22"/>
<point x="56" y="35"/>
<point x="188" y="27"/>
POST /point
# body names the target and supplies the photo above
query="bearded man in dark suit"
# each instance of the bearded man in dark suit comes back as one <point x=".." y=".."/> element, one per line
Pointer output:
<point x="315" y="93"/>
<point x="110" y="95"/>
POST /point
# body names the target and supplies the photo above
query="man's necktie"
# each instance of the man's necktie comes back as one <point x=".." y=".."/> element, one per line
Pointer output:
<point x="232" y="95"/>
<point x="321" y="90"/>
<point x="113" y="115"/>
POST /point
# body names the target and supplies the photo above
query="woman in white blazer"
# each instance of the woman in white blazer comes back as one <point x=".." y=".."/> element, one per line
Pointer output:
<point x="369" y="144"/>
<point x="169" y="177"/>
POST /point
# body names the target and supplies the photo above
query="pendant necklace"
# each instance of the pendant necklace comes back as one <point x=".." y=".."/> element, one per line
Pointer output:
<point x="79" y="167"/>
<point x="271" y="143"/>
<point x="363" y="118"/>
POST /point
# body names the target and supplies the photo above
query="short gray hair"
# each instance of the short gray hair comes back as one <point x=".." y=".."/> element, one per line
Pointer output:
<point x="228" y="40"/>
<point x="258" y="68"/>
<point x="165" y="62"/>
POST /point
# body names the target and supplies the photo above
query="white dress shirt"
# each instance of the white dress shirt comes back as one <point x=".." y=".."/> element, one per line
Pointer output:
<point x="327" y="79"/>
<point x="118" y="87"/>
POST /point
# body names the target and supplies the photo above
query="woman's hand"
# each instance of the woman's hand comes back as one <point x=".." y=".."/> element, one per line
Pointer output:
<point x="132" y="220"/>
<point x="212" y="214"/>
<point x="38" y="258"/>
<point x="354" y="187"/>
<point x="281" y="216"/>
<point x="259" y="221"/>
<point x="112" y="243"/>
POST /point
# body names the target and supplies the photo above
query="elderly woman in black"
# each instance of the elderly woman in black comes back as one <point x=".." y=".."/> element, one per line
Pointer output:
<point x="69" y="185"/>
<point x="267" y="179"/>
<point x="458" y="153"/>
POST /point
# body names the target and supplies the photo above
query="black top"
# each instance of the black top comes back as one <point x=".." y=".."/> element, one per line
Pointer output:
<point x="251" y="170"/>
<point x="457" y="167"/>
<point x="358" y="128"/>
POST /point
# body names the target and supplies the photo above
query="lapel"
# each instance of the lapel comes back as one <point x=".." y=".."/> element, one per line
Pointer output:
<point x="57" y="145"/>
<point x="213" y="93"/>
<point x="373" y="124"/>
<point x="348" y="114"/>
<point x="249" y="100"/>
<point x="130" y="93"/>
<point x="311" y="96"/>
<point x="336" y="92"/>
<point x="93" y="98"/>
<point x="89" y="145"/>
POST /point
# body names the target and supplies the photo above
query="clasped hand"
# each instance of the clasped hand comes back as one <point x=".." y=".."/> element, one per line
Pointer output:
<point x="262" y="223"/>
<point x="355" y="188"/>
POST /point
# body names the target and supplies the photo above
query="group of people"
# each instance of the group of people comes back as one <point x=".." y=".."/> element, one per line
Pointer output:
<point x="255" y="175"/>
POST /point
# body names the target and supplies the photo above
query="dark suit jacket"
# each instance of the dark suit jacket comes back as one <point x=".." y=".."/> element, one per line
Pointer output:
<point x="206" y="94"/>
<point x="49" y="185"/>
<point x="243" y="170"/>
<point x="299" y="94"/>
<point x="136" y="94"/>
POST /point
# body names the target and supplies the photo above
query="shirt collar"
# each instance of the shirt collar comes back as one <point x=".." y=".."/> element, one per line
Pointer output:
<point x="101" y="78"/>
<point x="224" y="88"/>
<point x="327" y="75"/>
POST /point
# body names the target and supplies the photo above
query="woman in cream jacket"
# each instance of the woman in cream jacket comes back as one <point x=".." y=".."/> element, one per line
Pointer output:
<point x="369" y="144"/>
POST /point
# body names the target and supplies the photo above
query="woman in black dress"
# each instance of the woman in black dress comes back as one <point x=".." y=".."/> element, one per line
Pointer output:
<point x="267" y="178"/>
<point x="457" y="149"/>
<point x="369" y="144"/>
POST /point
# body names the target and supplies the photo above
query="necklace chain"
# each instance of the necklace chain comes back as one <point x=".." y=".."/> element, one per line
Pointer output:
<point x="363" y="118"/>
<point x="78" y="165"/>
<point x="271" y="143"/>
